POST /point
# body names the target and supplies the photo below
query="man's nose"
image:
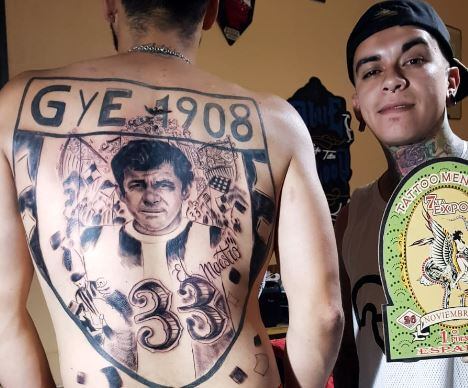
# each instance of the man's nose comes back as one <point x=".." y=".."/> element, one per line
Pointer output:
<point x="394" y="80"/>
<point x="151" y="196"/>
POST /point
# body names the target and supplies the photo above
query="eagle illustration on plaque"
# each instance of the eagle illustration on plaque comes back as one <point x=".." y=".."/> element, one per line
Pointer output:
<point x="423" y="258"/>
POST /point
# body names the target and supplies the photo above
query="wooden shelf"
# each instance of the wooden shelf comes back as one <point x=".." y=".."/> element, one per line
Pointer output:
<point x="277" y="331"/>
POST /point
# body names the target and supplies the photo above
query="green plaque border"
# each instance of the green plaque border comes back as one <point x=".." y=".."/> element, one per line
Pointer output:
<point x="400" y="342"/>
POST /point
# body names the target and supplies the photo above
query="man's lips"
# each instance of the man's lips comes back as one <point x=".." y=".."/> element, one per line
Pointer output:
<point x="152" y="211"/>
<point x="395" y="108"/>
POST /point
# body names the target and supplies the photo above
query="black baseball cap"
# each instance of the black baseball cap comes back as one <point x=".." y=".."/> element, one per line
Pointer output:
<point x="416" y="13"/>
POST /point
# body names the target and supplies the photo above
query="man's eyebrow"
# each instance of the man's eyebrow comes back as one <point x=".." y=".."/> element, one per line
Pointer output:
<point x="414" y="42"/>
<point x="165" y="182"/>
<point x="135" y="180"/>
<point x="363" y="61"/>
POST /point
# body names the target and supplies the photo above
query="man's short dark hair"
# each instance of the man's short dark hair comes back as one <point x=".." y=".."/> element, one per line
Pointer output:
<point x="183" y="15"/>
<point x="457" y="235"/>
<point x="145" y="155"/>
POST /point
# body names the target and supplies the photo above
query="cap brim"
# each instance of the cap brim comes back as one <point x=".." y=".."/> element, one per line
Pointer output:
<point x="462" y="90"/>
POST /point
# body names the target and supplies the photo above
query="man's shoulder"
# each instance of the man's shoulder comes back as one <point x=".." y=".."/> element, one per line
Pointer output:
<point x="12" y="91"/>
<point x="283" y="124"/>
<point x="11" y="96"/>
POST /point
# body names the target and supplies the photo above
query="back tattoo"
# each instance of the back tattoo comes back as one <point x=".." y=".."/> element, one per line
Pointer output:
<point x="149" y="213"/>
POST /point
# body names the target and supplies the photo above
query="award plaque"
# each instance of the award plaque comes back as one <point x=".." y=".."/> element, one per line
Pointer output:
<point x="423" y="258"/>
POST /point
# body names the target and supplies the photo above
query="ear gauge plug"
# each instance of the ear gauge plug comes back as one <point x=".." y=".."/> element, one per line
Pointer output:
<point x="362" y="123"/>
<point x="362" y="126"/>
<point x="358" y="115"/>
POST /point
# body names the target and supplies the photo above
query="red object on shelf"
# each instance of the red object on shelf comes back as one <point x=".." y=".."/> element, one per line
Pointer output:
<point x="278" y="349"/>
<point x="234" y="17"/>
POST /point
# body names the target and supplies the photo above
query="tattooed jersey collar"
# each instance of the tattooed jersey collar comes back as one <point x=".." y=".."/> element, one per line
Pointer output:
<point x="149" y="239"/>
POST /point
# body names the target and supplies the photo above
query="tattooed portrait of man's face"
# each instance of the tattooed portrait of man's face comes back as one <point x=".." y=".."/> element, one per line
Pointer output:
<point x="150" y="225"/>
<point x="153" y="185"/>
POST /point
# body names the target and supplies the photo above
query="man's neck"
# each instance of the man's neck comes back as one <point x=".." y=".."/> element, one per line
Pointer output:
<point x="403" y="159"/>
<point x="171" y="39"/>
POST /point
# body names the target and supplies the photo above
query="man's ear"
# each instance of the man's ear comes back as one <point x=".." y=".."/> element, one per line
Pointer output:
<point x="120" y="193"/>
<point x="186" y="192"/>
<point x="210" y="14"/>
<point x="453" y="81"/>
<point x="110" y="10"/>
<point x="357" y="112"/>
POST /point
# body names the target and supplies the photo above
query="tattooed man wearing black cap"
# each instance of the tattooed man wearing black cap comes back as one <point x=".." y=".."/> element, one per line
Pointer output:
<point x="149" y="191"/>
<point x="402" y="66"/>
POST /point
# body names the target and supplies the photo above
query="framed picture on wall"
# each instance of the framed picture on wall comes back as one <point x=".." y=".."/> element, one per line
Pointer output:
<point x="3" y="46"/>
<point x="455" y="112"/>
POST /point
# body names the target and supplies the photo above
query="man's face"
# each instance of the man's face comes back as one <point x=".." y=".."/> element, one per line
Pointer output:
<point x="154" y="198"/>
<point x="402" y="82"/>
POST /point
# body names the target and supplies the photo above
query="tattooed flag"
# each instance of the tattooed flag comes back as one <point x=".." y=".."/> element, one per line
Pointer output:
<point x="91" y="174"/>
<point x="234" y="17"/>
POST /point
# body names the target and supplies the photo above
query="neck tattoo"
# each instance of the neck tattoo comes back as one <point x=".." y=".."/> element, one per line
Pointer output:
<point x="406" y="158"/>
<point x="153" y="48"/>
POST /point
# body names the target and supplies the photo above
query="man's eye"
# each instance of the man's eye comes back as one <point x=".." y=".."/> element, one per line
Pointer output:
<point x="135" y="186"/>
<point x="415" y="61"/>
<point x="166" y="185"/>
<point x="370" y="73"/>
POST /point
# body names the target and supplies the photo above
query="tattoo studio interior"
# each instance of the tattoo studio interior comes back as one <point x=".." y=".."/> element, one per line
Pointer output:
<point x="198" y="184"/>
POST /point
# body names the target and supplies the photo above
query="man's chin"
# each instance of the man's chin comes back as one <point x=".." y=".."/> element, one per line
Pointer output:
<point x="403" y="133"/>
<point x="406" y="141"/>
<point x="153" y="228"/>
<point x="400" y="137"/>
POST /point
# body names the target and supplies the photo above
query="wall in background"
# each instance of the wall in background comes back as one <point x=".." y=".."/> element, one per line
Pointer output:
<point x="287" y="43"/>
<point x="3" y="46"/>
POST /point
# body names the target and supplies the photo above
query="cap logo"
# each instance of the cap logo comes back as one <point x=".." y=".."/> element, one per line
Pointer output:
<point x="383" y="13"/>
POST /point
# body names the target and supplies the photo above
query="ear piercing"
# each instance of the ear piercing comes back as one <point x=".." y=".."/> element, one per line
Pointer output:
<point x="452" y="98"/>
<point x="362" y="126"/>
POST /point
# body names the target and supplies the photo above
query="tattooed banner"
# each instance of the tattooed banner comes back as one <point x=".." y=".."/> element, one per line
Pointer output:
<point x="424" y="263"/>
<point x="148" y="223"/>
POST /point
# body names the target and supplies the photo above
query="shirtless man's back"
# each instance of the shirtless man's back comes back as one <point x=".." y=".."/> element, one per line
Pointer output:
<point x="149" y="193"/>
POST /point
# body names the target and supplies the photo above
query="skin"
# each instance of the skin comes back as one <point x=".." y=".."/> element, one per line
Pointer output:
<point x="316" y="317"/>
<point x="19" y="339"/>
<point x="403" y="84"/>
<point x="155" y="199"/>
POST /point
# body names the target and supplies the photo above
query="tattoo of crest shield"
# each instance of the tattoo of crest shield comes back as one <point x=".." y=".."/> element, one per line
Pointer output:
<point x="149" y="221"/>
